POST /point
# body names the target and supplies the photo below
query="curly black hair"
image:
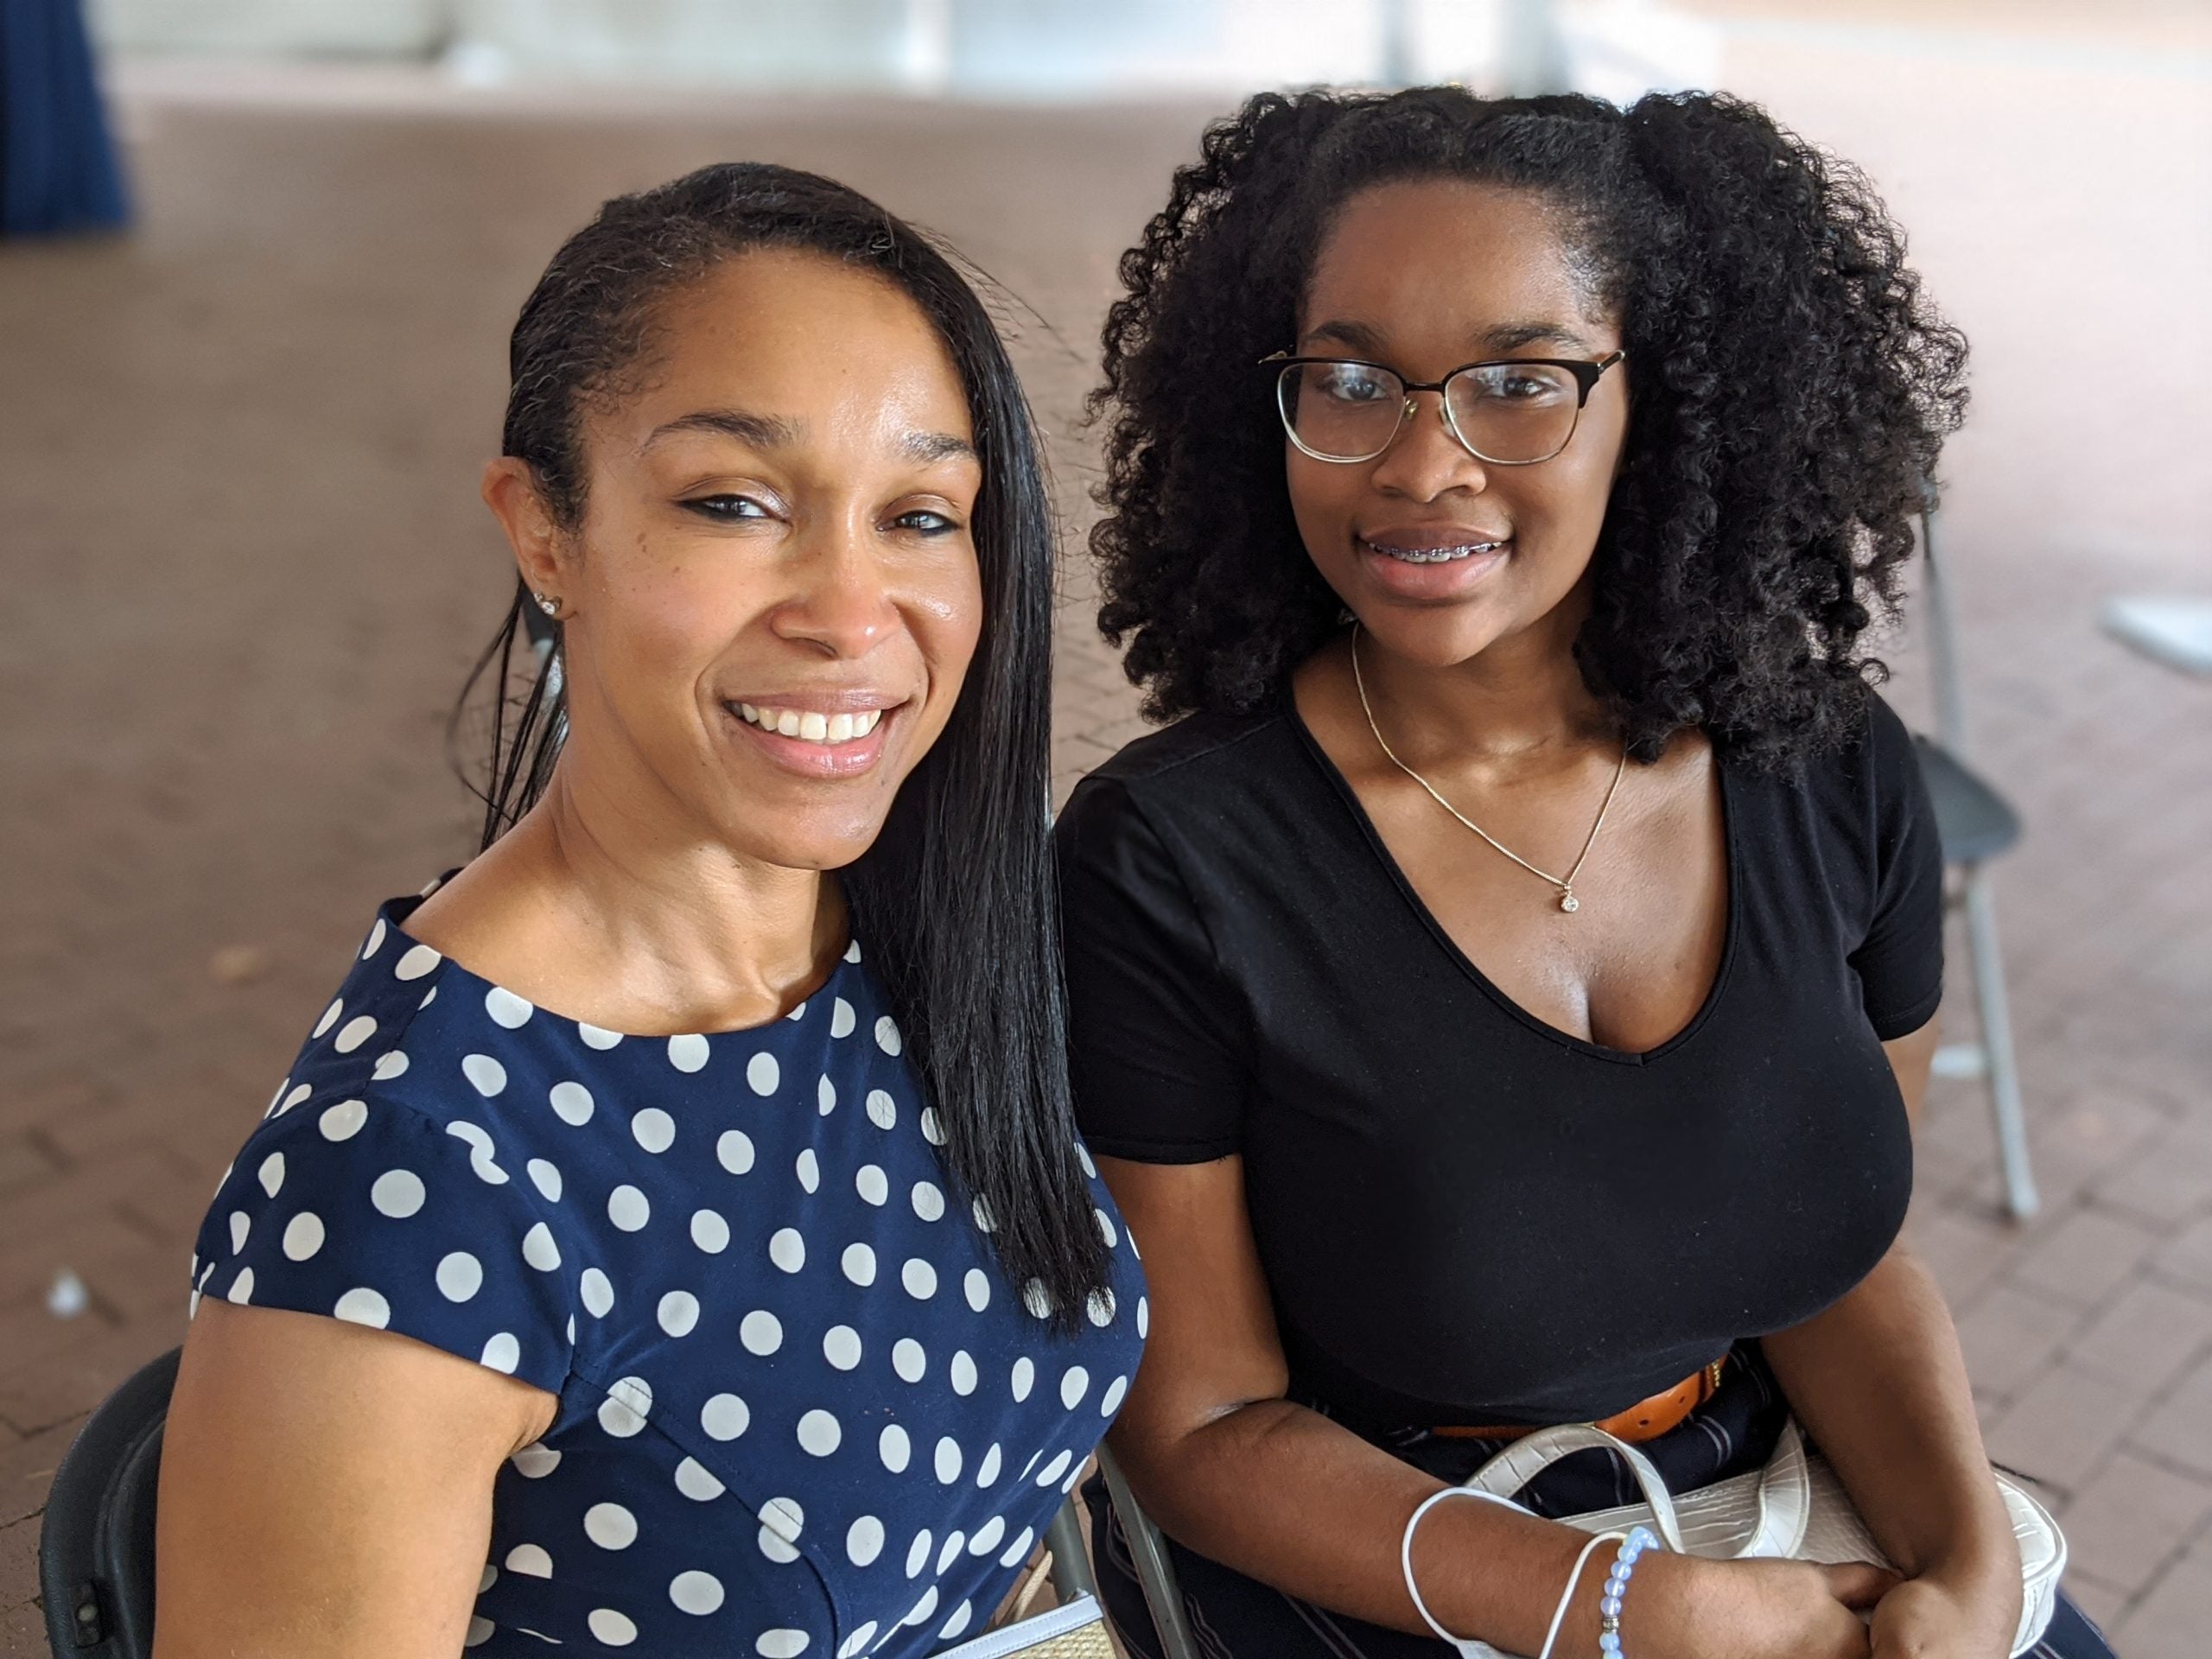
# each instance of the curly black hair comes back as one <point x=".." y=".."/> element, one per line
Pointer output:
<point x="1793" y="388"/>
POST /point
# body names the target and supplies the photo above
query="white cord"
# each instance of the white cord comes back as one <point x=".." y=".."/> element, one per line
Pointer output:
<point x="1467" y="1647"/>
<point x="1566" y="1596"/>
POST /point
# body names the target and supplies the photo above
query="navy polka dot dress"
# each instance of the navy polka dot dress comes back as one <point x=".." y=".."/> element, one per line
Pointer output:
<point x="801" y="1411"/>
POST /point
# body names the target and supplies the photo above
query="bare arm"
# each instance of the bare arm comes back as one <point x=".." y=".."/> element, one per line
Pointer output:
<point x="327" y="1489"/>
<point x="1880" y="1384"/>
<point x="1231" y="1469"/>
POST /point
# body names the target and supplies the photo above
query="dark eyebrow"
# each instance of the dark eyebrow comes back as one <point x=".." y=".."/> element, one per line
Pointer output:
<point x="1357" y="335"/>
<point x="1505" y="337"/>
<point x="929" y="446"/>
<point x="760" y="432"/>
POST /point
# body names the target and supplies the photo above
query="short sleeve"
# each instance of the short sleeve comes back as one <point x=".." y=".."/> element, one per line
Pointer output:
<point x="1153" y="1022"/>
<point x="1900" y="960"/>
<point x="374" y="1211"/>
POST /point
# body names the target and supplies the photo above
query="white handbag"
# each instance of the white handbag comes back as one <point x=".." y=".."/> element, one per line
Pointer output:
<point x="1793" y="1509"/>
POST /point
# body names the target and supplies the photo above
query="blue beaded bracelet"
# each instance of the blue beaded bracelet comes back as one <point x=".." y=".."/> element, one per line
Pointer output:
<point x="1609" y="1607"/>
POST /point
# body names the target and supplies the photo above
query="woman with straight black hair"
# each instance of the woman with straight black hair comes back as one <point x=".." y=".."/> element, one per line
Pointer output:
<point x="674" y="1235"/>
<point x="1499" y="1000"/>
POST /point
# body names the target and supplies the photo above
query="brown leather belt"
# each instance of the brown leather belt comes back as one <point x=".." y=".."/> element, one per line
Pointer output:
<point x="1647" y="1419"/>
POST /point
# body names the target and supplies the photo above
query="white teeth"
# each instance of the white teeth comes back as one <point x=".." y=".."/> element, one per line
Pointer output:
<point x="812" y="728"/>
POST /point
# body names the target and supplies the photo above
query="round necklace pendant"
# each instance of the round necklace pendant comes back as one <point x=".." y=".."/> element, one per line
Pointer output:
<point x="1569" y="903"/>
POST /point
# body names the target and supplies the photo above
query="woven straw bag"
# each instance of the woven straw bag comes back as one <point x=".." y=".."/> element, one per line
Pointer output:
<point x="1075" y="1630"/>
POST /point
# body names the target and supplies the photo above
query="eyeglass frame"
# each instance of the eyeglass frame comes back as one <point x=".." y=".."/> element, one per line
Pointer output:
<point x="1586" y="371"/>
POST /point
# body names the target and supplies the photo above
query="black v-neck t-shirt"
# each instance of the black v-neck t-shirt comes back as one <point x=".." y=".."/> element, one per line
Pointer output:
<point x="1466" y="1215"/>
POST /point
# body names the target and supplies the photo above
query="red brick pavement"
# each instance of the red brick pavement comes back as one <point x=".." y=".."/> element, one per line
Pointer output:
<point x="246" y="570"/>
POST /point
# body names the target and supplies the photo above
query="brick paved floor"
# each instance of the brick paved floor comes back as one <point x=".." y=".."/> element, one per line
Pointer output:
<point x="246" y="569"/>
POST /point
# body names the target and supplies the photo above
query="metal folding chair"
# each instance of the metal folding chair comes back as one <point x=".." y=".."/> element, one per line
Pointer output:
<point x="1976" y="825"/>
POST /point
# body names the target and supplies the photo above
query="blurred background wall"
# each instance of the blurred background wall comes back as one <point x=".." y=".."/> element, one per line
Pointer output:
<point x="246" y="570"/>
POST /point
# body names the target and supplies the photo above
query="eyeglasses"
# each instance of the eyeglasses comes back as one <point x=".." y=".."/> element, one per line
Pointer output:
<point x="1513" y="413"/>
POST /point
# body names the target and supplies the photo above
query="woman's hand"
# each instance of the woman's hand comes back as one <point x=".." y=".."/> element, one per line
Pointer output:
<point x="1681" y="1607"/>
<point x="1943" y="1617"/>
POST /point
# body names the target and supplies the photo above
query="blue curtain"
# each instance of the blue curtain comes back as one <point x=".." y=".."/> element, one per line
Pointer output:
<point x="58" y="169"/>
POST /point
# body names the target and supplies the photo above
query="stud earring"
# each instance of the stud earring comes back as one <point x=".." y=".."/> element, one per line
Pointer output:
<point x="551" y="606"/>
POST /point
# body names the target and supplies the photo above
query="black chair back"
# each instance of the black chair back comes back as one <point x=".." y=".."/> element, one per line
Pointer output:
<point x="96" y="1547"/>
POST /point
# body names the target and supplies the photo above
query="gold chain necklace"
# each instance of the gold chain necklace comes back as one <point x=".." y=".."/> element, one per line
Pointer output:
<point x="1567" y="901"/>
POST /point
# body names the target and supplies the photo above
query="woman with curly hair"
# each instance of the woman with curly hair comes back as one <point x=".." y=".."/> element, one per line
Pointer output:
<point x="1501" y="996"/>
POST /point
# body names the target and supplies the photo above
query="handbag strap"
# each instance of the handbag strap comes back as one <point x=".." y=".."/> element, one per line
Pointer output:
<point x="1785" y="1495"/>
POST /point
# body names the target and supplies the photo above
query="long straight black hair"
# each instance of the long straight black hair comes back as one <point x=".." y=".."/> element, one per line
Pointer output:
<point x="956" y="899"/>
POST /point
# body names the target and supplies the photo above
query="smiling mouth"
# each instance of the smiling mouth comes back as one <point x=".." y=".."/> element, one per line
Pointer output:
<point x="1446" y="555"/>
<point x="809" y="726"/>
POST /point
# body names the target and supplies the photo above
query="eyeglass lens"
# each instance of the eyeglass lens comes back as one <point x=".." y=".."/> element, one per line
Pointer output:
<point x="1506" y="412"/>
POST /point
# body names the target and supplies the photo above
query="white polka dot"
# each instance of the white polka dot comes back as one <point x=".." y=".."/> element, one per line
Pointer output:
<point x="918" y="1552"/>
<point x="710" y="1231"/>
<point x="909" y="1360"/>
<point x="1053" y="1470"/>
<point x="825" y="1096"/>
<point x="502" y="1353"/>
<point x="398" y="1193"/>
<point x="841" y="1346"/>
<point x="919" y="1278"/>
<point x="1110" y="1401"/>
<point x="417" y="962"/>
<point x="480" y="1631"/>
<point x="539" y="1250"/>
<point x="948" y="1551"/>
<point x="627" y="1209"/>
<point x="872" y="1185"/>
<point x="329" y="1019"/>
<point x="611" y="1627"/>
<point x="932" y="1130"/>
<point x="818" y="1434"/>
<point x="928" y="1203"/>
<point x="241" y="1225"/>
<point x="678" y="1312"/>
<point x="987" y="1472"/>
<point x="864" y="1541"/>
<point x="882" y="1110"/>
<point x="1075" y="1383"/>
<point x="391" y="1065"/>
<point x="964" y="1374"/>
<point x="598" y="1293"/>
<point x="734" y="1151"/>
<point x="984" y="1221"/>
<point x="856" y="1643"/>
<point x="840" y="1019"/>
<point x="977" y="1284"/>
<point x="696" y="1482"/>
<point x="809" y="1170"/>
<point x="787" y="1249"/>
<point x="354" y="1033"/>
<point x="303" y="1236"/>
<point x="1037" y="1300"/>
<point x="303" y="1092"/>
<point x="597" y="1036"/>
<point x="485" y="1075"/>
<point x="1144" y="1314"/>
<point x="271" y="1174"/>
<point x="1100" y="1308"/>
<point x="1083" y="1157"/>
<point x="545" y="1179"/>
<point x="536" y="1461"/>
<point x="459" y="1276"/>
<point x="627" y="1405"/>
<point x="887" y="1036"/>
<point x="781" y="1644"/>
<point x="506" y="1009"/>
<point x="1106" y="1228"/>
<point x="343" y="1121"/>
<point x="362" y="1306"/>
<point x="948" y="1460"/>
<point x="859" y="1264"/>
<point x="1025" y="1378"/>
<point x="241" y="1290"/>
<point x="375" y="941"/>
<point x="429" y="997"/>
<point x="892" y="1447"/>
<point x="653" y="1129"/>
<point x="761" y="1332"/>
<point x="958" y="1622"/>
<point x="480" y="1151"/>
<point x="571" y="1102"/>
<point x="783" y="1519"/>
<point x="687" y="1053"/>
<point x="761" y="1074"/>
<point x="695" y="1592"/>
<point x="530" y="1560"/>
<point x="1018" y="1551"/>
<point x="922" y="1609"/>
<point x="988" y="1536"/>
<point x="724" y="1417"/>
<point x="610" y="1526"/>
<point x="797" y="1014"/>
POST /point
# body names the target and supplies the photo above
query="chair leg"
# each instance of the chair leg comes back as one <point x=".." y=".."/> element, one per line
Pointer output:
<point x="1163" y="1597"/>
<point x="1072" y="1575"/>
<point x="2020" y="1197"/>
